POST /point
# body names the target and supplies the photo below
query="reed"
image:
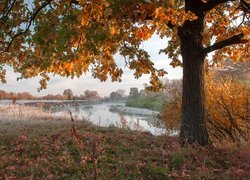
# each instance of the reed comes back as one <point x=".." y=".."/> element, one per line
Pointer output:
<point x="17" y="112"/>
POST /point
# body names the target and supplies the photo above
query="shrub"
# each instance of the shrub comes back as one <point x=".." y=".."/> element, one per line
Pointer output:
<point x="227" y="111"/>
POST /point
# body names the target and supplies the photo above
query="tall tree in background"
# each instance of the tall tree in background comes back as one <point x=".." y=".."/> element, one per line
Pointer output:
<point x="68" y="93"/>
<point x="71" y="37"/>
<point x="91" y="95"/>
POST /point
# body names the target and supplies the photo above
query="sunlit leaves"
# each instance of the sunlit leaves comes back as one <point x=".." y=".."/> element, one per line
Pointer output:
<point x="229" y="119"/>
<point x="144" y="33"/>
<point x="171" y="15"/>
<point x="2" y="75"/>
<point x="222" y="23"/>
<point x="70" y="38"/>
<point x="227" y="114"/>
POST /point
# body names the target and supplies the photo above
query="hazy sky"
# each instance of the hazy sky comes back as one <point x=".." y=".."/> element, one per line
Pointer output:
<point x="58" y="84"/>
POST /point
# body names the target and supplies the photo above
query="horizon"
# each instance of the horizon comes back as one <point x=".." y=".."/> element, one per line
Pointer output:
<point x="58" y="84"/>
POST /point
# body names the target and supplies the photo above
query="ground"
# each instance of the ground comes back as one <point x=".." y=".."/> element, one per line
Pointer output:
<point x="58" y="149"/>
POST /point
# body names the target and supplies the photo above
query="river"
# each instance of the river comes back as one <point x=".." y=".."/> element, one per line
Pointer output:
<point x="107" y="114"/>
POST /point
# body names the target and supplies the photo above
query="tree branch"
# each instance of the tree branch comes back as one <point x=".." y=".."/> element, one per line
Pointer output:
<point x="236" y="39"/>
<point x="170" y="25"/>
<point x="213" y="3"/>
<point x="32" y="18"/>
<point x="74" y="2"/>
<point x="4" y="16"/>
<point x="129" y="49"/>
<point x="245" y="6"/>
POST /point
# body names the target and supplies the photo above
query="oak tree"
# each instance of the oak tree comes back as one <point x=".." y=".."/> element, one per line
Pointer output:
<point x="71" y="37"/>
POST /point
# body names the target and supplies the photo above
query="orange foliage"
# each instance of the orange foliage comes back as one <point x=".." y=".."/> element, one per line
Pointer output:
<point x="227" y="110"/>
<point x="71" y="37"/>
<point x="227" y="105"/>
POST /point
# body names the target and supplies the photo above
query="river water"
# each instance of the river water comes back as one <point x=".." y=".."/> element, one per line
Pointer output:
<point x="109" y="114"/>
<point x="117" y="114"/>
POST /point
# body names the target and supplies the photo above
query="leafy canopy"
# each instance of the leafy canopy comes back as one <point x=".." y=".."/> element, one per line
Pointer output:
<point x="71" y="37"/>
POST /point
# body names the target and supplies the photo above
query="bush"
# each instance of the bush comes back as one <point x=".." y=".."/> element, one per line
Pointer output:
<point x="227" y="111"/>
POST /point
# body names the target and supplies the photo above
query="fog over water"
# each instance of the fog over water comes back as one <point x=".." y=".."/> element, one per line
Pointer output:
<point x="107" y="114"/>
<point x="104" y="114"/>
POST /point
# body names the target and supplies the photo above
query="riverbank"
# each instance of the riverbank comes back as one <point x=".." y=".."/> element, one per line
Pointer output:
<point x="58" y="148"/>
<point x="99" y="114"/>
<point x="132" y="110"/>
<point x="154" y="103"/>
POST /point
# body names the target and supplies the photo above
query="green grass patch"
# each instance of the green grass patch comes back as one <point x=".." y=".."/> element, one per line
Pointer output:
<point x="176" y="161"/>
<point x="149" y="102"/>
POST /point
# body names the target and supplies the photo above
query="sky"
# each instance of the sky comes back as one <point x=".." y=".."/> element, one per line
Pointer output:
<point x="58" y="84"/>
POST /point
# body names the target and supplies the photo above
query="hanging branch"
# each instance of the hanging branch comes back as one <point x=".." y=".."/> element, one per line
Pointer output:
<point x="32" y="18"/>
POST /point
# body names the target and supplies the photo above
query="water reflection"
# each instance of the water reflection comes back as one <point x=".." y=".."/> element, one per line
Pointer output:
<point x="105" y="115"/>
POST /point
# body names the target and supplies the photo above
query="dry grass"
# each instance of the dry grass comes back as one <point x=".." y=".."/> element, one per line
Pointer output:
<point x="17" y="112"/>
<point x="33" y="150"/>
<point x="37" y="148"/>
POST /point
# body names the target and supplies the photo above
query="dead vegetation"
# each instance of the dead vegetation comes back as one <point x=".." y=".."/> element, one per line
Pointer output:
<point x="57" y="149"/>
<point x="18" y="112"/>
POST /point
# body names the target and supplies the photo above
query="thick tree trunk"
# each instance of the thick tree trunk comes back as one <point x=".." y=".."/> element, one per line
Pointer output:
<point x="193" y="126"/>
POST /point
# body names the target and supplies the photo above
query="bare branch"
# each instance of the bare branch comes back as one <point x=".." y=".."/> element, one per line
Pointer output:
<point x="74" y="2"/>
<point x="245" y="6"/>
<point x="236" y="39"/>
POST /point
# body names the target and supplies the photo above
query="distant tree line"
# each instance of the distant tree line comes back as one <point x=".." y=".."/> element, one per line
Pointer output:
<point x="66" y="95"/>
<point x="15" y="96"/>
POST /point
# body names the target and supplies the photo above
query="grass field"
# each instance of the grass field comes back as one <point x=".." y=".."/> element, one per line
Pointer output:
<point x="60" y="149"/>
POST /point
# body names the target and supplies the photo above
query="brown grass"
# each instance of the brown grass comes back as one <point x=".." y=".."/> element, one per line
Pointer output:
<point x="17" y="112"/>
<point x="42" y="149"/>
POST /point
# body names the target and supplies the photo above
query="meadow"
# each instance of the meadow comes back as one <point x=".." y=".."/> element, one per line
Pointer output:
<point x="36" y="145"/>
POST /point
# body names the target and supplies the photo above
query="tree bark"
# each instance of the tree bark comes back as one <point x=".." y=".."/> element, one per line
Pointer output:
<point x="193" y="126"/>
